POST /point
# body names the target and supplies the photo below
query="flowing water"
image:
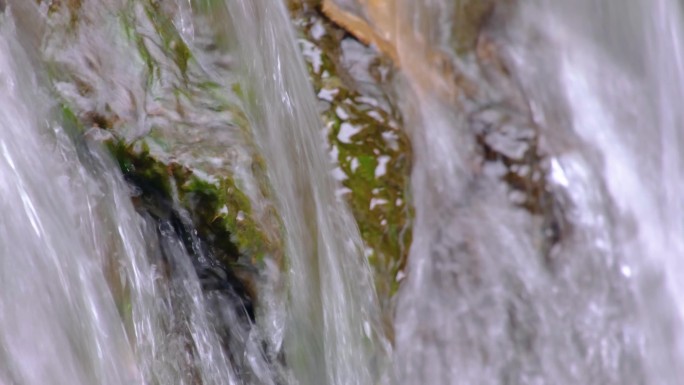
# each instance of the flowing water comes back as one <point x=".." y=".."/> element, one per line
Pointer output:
<point x="584" y="289"/>
<point x="332" y="333"/>
<point x="614" y="135"/>
<point x="55" y="301"/>
<point x="94" y="294"/>
<point x="483" y="302"/>
<point x="87" y="297"/>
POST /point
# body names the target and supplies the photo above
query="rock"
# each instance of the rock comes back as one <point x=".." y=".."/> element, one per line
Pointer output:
<point x="176" y="124"/>
<point x="371" y="22"/>
<point x="367" y="143"/>
<point x="179" y="134"/>
<point x="449" y="50"/>
<point x="374" y="22"/>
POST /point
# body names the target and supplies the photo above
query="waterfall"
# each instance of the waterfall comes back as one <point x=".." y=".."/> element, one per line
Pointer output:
<point x="614" y="77"/>
<point x="547" y="193"/>
<point x="332" y="335"/>
<point x="143" y="294"/>
<point x="55" y="301"/>
<point x="87" y="297"/>
<point x="600" y="83"/>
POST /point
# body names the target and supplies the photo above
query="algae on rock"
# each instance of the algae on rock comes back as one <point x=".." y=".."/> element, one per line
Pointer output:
<point x="173" y="107"/>
<point x="177" y="129"/>
<point x="363" y="128"/>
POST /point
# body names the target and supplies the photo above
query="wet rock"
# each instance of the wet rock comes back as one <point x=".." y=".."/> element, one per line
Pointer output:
<point x="178" y="132"/>
<point x="173" y="115"/>
<point x="463" y="68"/>
<point x="374" y="22"/>
<point x="367" y="143"/>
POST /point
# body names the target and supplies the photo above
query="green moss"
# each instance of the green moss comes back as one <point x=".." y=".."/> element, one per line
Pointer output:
<point x="171" y="42"/>
<point x="142" y="169"/>
<point x="367" y="169"/>
<point x="385" y="227"/>
<point x="224" y="215"/>
<point x="220" y="211"/>
<point x="182" y="164"/>
<point x="182" y="54"/>
<point x="70" y="121"/>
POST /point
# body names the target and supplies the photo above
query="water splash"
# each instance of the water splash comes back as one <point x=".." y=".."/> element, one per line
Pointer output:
<point x="614" y="75"/>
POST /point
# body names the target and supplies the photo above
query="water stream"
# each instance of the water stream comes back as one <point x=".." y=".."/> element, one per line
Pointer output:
<point x="55" y="301"/>
<point x="92" y="293"/>
<point x="583" y="288"/>
<point x="614" y="132"/>
<point x="602" y="82"/>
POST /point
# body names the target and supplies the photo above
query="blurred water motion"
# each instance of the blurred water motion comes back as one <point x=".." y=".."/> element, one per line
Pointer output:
<point x="547" y="186"/>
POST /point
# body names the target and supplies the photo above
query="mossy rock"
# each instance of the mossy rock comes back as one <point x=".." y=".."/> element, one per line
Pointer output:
<point x="366" y="140"/>
<point x="184" y="136"/>
<point x="220" y="211"/>
<point x="182" y="139"/>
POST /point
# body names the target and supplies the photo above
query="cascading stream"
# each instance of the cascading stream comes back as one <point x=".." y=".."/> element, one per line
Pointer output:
<point x="615" y="76"/>
<point x="171" y="333"/>
<point x="584" y="290"/>
<point x="332" y="332"/>
<point x="482" y="303"/>
<point x="84" y="297"/>
<point x="54" y="299"/>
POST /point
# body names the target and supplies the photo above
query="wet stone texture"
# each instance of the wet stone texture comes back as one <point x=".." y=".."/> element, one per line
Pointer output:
<point x="179" y="134"/>
<point x="175" y="120"/>
<point x="171" y="110"/>
<point x="367" y="142"/>
<point x="464" y="65"/>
